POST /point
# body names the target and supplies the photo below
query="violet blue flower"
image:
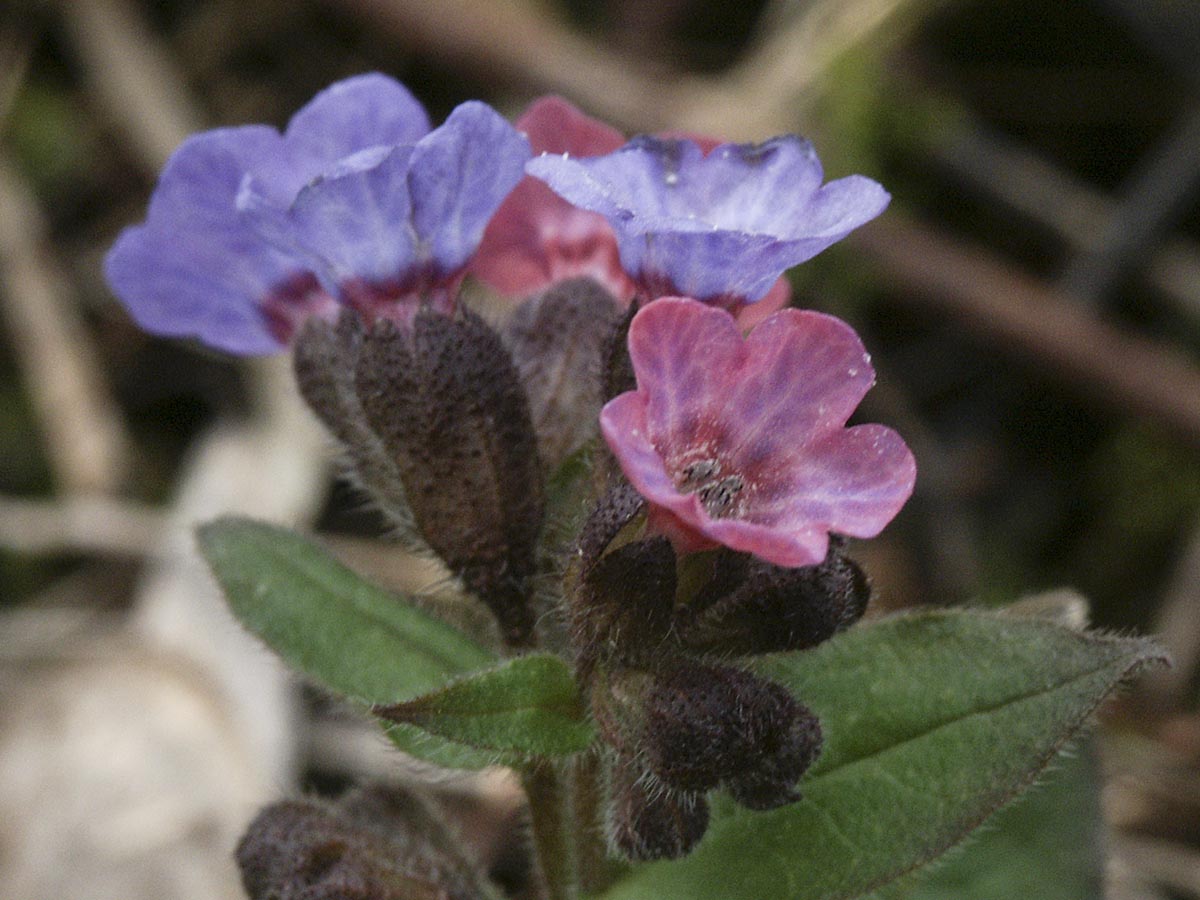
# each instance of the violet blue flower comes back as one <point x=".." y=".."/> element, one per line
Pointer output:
<point x="356" y="203"/>
<point x="742" y="442"/>
<point x="537" y="239"/>
<point x="720" y="227"/>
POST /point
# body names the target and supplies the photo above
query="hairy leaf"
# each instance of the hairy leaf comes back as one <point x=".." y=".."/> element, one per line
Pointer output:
<point x="1046" y="845"/>
<point x="455" y="707"/>
<point x="530" y="705"/>
<point x="329" y="622"/>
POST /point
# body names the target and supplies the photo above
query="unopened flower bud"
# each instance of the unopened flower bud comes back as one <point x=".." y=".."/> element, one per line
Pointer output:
<point x="557" y="339"/>
<point x="704" y="725"/>
<point x="772" y="782"/>
<point x="616" y="377"/>
<point x="622" y="607"/>
<point x="325" y="359"/>
<point x="304" y="850"/>
<point x="752" y="606"/>
<point x="617" y="371"/>
<point x="615" y="511"/>
<point x="446" y="403"/>
<point x="648" y="820"/>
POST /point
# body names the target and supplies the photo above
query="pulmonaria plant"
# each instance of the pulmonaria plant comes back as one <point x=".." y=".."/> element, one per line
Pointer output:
<point x="654" y="504"/>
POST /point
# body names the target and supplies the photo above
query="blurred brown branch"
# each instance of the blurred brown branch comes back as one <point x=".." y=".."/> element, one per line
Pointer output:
<point x="1055" y="198"/>
<point x="1019" y="314"/>
<point x="770" y="90"/>
<point x="521" y="43"/>
<point x="512" y="41"/>
<point x="84" y="434"/>
<point x="1178" y="623"/>
<point x="131" y="75"/>
<point x="93" y="524"/>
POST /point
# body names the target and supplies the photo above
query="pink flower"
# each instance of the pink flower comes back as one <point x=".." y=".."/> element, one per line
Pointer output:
<point x="537" y="239"/>
<point x="742" y="442"/>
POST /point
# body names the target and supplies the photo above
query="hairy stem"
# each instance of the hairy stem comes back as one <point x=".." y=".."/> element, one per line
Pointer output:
<point x="551" y="819"/>
<point x="596" y="868"/>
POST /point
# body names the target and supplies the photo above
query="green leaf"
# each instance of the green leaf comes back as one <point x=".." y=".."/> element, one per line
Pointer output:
<point x="568" y="498"/>
<point x="340" y="630"/>
<point x="1046" y="845"/>
<point x="932" y="721"/>
<point x="446" y="753"/>
<point x="530" y="705"/>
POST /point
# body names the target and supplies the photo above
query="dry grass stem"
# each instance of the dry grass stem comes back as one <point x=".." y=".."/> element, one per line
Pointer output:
<point x="81" y="424"/>
<point x="1019" y="314"/>
<point x="130" y="73"/>
<point x="73" y="524"/>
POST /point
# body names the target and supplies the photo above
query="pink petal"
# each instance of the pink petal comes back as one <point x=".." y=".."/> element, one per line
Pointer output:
<point x="854" y="481"/>
<point x="802" y="545"/>
<point x="684" y="355"/>
<point x="555" y="126"/>
<point x="778" y="297"/>
<point x="771" y="409"/>
<point x="536" y="238"/>
<point x="806" y="372"/>
<point x="623" y="424"/>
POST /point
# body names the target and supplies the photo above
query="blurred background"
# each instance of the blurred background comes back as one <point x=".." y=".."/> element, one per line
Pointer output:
<point x="1031" y="300"/>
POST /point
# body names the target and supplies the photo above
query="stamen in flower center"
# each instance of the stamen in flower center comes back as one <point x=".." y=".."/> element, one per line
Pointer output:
<point x="703" y="478"/>
<point x="698" y="473"/>
<point x="718" y="496"/>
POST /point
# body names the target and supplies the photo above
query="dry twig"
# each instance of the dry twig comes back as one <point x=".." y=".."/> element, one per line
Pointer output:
<point x="130" y="74"/>
<point x="82" y="426"/>
<point x="514" y="41"/>
<point x="91" y="524"/>
<point x="1021" y="315"/>
<point x="1054" y="198"/>
<point x="1178" y="623"/>
<point x="768" y="92"/>
<point x="1172" y="865"/>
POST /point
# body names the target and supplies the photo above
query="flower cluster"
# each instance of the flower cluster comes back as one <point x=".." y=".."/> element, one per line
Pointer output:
<point x="647" y="307"/>
<point x="356" y="203"/>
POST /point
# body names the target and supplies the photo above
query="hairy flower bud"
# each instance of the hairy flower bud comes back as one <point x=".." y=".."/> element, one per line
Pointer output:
<point x="648" y="820"/>
<point x="704" y="725"/>
<point x="556" y="340"/>
<point x="752" y="606"/>
<point x="376" y="845"/>
<point x="446" y="403"/>
<point x="614" y="511"/>
<point x="623" y="605"/>
<point x="617" y="370"/>
<point x="325" y="359"/>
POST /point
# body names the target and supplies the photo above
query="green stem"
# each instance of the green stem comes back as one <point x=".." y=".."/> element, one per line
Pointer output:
<point x="554" y="851"/>
<point x="596" y="870"/>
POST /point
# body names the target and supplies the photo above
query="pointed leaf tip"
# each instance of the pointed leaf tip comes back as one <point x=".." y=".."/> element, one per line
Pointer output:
<point x="529" y="705"/>
<point x="335" y="627"/>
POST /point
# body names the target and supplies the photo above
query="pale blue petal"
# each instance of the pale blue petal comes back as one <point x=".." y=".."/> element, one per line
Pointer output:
<point x="458" y="177"/>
